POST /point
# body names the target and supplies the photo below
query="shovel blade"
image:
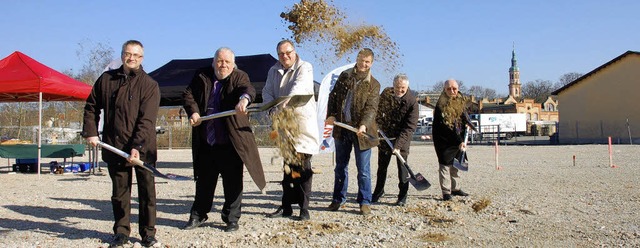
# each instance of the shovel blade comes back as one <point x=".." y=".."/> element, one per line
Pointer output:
<point x="460" y="166"/>
<point x="419" y="182"/>
<point x="157" y="173"/>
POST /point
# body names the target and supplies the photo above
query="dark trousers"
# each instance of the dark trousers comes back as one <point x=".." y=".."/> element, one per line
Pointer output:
<point x="121" y="177"/>
<point x="214" y="161"/>
<point x="298" y="190"/>
<point x="384" y="158"/>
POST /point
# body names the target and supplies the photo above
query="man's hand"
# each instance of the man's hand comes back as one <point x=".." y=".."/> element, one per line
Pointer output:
<point x="134" y="154"/>
<point x="330" y="120"/>
<point x="93" y="140"/>
<point x="362" y="130"/>
<point x="462" y="147"/>
<point x="195" y="120"/>
<point x="241" y="107"/>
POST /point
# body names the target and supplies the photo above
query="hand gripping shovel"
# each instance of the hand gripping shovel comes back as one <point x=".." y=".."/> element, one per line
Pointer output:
<point x="145" y="166"/>
<point x="417" y="180"/>
<point x="461" y="164"/>
<point x="353" y="129"/>
<point x="294" y="101"/>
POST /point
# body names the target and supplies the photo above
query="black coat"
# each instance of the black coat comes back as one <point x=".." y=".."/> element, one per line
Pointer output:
<point x="196" y="97"/>
<point x="130" y="103"/>
<point x="446" y="140"/>
<point x="397" y="117"/>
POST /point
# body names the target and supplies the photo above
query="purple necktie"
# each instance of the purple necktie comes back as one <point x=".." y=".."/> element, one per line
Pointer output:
<point x="213" y="107"/>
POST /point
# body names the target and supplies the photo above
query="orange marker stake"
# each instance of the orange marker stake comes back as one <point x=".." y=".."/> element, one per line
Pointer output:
<point x="498" y="167"/>
<point x="611" y="155"/>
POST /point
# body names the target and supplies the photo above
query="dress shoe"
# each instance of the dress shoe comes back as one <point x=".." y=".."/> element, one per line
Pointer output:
<point x="365" y="210"/>
<point x="304" y="215"/>
<point x="459" y="193"/>
<point x="334" y="206"/>
<point x="446" y="197"/>
<point x="401" y="203"/>
<point x="120" y="239"/>
<point x="194" y="222"/>
<point x="376" y="196"/>
<point x="281" y="212"/>
<point x="232" y="227"/>
<point x="149" y="241"/>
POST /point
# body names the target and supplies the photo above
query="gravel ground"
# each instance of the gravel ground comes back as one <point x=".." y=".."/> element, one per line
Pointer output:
<point x="538" y="199"/>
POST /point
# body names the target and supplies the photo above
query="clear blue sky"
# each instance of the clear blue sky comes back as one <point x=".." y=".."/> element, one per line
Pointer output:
<point x="467" y="40"/>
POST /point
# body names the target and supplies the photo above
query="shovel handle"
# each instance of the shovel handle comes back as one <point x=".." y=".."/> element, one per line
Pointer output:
<point x="120" y="153"/>
<point x="352" y="129"/>
<point x="218" y="115"/>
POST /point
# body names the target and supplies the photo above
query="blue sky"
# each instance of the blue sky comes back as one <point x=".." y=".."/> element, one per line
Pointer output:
<point x="467" y="40"/>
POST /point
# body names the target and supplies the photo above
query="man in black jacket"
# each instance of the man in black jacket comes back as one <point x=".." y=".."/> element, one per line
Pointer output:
<point x="397" y="117"/>
<point x="130" y="99"/>
<point x="449" y="122"/>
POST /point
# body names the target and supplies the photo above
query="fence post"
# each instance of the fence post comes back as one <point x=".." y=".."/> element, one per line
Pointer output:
<point x="170" y="137"/>
<point x="629" y="130"/>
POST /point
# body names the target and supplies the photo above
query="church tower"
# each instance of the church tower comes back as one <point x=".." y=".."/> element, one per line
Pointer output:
<point x="514" y="76"/>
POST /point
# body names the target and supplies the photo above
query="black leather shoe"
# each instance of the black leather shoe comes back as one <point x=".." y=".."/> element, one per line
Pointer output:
<point x="281" y="212"/>
<point x="304" y="215"/>
<point x="120" y="239"/>
<point x="376" y="196"/>
<point x="459" y="193"/>
<point x="194" y="222"/>
<point x="232" y="227"/>
<point x="149" y="241"/>
<point x="400" y="203"/>
<point x="446" y="197"/>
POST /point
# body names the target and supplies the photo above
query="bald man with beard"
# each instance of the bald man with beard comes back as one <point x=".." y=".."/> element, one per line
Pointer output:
<point x="449" y="120"/>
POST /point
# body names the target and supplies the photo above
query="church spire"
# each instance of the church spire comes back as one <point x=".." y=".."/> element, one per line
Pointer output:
<point x="514" y="61"/>
<point x="514" y="75"/>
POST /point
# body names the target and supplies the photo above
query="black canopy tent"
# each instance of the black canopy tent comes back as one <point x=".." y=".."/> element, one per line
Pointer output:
<point x="175" y="76"/>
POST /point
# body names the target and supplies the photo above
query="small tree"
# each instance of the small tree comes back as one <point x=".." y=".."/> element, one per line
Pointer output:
<point x="566" y="79"/>
<point x="96" y="58"/>
<point x="539" y="90"/>
<point x="481" y="92"/>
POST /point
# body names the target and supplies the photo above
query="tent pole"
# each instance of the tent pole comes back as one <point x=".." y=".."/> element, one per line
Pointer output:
<point x="39" y="131"/>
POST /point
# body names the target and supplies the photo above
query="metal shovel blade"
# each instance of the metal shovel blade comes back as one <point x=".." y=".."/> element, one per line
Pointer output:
<point x="463" y="166"/>
<point x="417" y="180"/>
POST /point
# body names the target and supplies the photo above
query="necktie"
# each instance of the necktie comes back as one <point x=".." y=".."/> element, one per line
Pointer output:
<point x="212" y="107"/>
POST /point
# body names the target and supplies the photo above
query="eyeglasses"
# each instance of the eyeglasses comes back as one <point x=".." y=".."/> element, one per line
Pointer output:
<point x="451" y="88"/>
<point x="132" y="55"/>
<point x="286" y="53"/>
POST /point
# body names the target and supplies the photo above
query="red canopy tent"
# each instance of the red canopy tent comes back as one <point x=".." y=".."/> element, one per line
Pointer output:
<point x="23" y="79"/>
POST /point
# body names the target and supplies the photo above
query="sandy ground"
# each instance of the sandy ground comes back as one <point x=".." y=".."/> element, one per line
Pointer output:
<point x="538" y="199"/>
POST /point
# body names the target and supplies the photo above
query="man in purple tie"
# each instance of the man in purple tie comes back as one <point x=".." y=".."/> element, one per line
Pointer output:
<point x="221" y="146"/>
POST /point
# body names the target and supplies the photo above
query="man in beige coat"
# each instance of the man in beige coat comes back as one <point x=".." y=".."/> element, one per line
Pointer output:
<point x="293" y="76"/>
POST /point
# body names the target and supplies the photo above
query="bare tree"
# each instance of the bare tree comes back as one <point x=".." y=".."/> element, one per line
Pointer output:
<point x="539" y="90"/>
<point x="567" y="78"/>
<point x="96" y="58"/>
<point x="481" y="92"/>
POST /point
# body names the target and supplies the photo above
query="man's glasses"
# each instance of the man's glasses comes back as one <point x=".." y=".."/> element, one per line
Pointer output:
<point x="132" y="55"/>
<point x="450" y="88"/>
<point x="286" y="53"/>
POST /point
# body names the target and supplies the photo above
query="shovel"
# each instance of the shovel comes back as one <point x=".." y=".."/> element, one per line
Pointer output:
<point x="353" y="129"/>
<point x="294" y="101"/>
<point x="462" y="164"/>
<point x="417" y="180"/>
<point x="145" y="166"/>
